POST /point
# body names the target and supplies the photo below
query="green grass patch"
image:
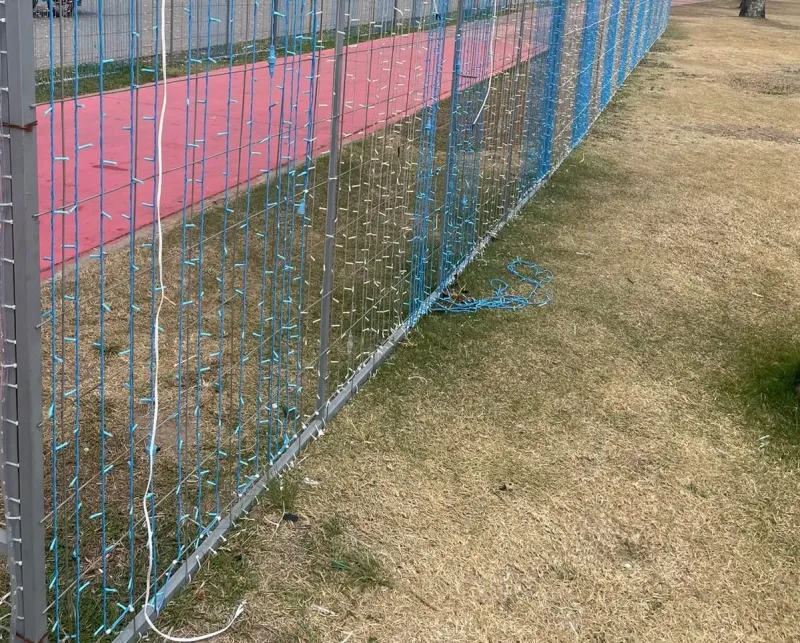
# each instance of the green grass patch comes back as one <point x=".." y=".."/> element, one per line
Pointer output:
<point x="341" y="557"/>
<point x="282" y="493"/>
<point x="764" y="380"/>
<point x="675" y="32"/>
<point x="228" y="578"/>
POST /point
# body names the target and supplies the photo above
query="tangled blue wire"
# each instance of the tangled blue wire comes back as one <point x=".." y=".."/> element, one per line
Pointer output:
<point x="527" y="272"/>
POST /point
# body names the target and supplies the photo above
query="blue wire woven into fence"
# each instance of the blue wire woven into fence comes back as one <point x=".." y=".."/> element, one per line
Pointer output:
<point x="306" y="227"/>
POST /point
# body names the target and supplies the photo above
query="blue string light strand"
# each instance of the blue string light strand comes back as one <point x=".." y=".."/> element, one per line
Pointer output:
<point x="448" y="123"/>
<point x="526" y="272"/>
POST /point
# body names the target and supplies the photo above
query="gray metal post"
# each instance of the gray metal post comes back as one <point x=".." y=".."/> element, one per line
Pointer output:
<point x="450" y="163"/>
<point x="19" y="305"/>
<point x="331" y="213"/>
<point x="513" y="110"/>
<point x="457" y="50"/>
<point x="228" y="25"/>
<point x="171" y="29"/>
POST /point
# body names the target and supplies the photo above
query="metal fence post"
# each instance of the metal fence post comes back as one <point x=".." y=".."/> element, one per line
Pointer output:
<point x="638" y="50"/>
<point x="550" y="104"/>
<point x="444" y="243"/>
<point x="331" y="212"/>
<point x="513" y="108"/>
<point x="622" y="63"/>
<point x="228" y="23"/>
<point x="21" y="315"/>
<point x="609" y="56"/>
<point x="171" y="29"/>
<point x="583" y="95"/>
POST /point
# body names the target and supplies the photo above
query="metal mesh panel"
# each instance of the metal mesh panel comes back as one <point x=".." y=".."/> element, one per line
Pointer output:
<point x="328" y="168"/>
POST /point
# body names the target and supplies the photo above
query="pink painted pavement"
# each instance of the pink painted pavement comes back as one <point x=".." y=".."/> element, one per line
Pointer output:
<point x="384" y="84"/>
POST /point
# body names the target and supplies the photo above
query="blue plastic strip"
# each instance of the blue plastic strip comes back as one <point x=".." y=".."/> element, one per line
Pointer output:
<point x="586" y="66"/>
<point x="610" y="53"/>
<point x="552" y="86"/>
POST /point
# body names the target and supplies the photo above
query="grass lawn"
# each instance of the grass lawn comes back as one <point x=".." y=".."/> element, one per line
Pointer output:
<point x="619" y="466"/>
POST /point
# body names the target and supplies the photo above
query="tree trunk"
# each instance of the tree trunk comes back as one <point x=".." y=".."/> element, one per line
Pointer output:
<point x="753" y="8"/>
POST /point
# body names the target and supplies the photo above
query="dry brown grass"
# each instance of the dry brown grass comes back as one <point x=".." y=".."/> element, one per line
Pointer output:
<point x="370" y="295"/>
<point x="597" y="470"/>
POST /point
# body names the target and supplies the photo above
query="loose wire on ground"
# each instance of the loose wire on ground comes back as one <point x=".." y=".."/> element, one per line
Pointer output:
<point x="527" y="272"/>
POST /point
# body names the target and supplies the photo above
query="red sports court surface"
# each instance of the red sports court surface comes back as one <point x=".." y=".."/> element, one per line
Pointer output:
<point x="385" y="83"/>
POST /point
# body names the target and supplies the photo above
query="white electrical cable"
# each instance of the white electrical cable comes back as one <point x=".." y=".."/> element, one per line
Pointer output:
<point x="151" y="450"/>
<point x="491" y="63"/>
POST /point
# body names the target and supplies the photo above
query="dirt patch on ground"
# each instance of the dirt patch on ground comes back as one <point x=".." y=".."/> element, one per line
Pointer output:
<point x="755" y="133"/>
<point x="775" y="84"/>
<point x="618" y="466"/>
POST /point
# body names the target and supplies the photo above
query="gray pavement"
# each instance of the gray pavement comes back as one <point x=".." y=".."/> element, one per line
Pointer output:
<point x="209" y="22"/>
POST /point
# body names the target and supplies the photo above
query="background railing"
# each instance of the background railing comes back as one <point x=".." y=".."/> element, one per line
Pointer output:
<point x="127" y="29"/>
<point x="327" y="168"/>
